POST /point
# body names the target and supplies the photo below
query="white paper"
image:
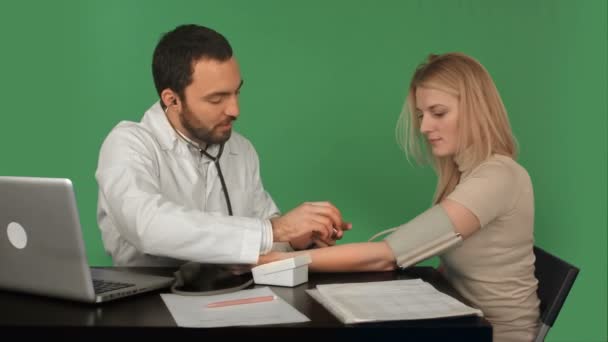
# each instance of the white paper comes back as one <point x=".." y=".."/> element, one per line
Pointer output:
<point x="388" y="301"/>
<point x="192" y="311"/>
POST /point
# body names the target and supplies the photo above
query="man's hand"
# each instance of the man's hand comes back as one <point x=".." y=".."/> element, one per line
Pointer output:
<point x="319" y="220"/>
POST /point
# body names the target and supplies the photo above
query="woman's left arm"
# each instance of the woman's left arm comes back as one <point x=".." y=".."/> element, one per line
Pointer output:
<point x="373" y="256"/>
<point x="352" y="257"/>
<point x="464" y="221"/>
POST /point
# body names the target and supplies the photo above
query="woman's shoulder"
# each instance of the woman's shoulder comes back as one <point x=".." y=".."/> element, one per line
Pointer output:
<point x="501" y="168"/>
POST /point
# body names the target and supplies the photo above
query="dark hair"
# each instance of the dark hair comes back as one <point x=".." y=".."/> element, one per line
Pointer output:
<point x="178" y="50"/>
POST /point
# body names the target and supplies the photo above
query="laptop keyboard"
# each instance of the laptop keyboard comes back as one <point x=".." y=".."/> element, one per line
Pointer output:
<point x="102" y="286"/>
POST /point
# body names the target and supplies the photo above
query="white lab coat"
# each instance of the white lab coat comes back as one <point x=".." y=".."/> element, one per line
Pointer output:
<point x="161" y="203"/>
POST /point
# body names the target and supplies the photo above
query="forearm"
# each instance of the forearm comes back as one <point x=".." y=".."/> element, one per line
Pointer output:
<point x="355" y="257"/>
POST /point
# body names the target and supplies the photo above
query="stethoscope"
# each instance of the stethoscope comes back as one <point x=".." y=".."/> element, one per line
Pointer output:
<point x="192" y="270"/>
<point x="215" y="160"/>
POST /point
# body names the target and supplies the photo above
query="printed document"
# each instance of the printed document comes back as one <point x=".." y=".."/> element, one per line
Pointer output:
<point x="192" y="311"/>
<point x="388" y="301"/>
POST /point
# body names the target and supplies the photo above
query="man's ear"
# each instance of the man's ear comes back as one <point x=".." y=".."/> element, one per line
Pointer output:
<point x="170" y="98"/>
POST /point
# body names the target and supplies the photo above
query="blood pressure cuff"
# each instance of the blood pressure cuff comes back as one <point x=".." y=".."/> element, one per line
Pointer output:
<point x="427" y="235"/>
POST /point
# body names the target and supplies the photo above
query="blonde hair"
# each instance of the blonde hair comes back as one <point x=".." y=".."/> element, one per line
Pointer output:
<point x="483" y="124"/>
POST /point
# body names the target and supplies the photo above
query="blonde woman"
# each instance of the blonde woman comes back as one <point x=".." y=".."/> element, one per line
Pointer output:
<point x="481" y="223"/>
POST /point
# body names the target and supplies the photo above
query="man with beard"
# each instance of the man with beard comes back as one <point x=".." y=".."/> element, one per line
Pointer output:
<point x="180" y="185"/>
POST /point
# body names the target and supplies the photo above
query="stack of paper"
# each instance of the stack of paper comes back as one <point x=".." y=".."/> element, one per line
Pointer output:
<point x="191" y="311"/>
<point x="388" y="301"/>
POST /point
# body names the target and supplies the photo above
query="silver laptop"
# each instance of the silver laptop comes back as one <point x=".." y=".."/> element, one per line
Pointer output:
<point x="42" y="250"/>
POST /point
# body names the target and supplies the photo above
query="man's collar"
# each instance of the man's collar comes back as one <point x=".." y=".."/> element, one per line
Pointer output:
<point x="166" y="135"/>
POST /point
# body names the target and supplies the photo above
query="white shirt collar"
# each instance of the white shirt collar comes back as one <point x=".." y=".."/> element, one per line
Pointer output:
<point x="168" y="138"/>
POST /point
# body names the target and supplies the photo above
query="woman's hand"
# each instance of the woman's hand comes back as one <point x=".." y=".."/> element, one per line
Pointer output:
<point x="238" y="269"/>
<point x="273" y="256"/>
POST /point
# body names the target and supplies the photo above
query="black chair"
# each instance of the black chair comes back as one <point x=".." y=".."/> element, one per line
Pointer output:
<point x="555" y="279"/>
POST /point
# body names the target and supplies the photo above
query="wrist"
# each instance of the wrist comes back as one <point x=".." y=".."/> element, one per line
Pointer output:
<point x="277" y="235"/>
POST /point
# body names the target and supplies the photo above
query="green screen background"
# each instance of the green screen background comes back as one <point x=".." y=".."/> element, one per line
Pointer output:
<point x="324" y="84"/>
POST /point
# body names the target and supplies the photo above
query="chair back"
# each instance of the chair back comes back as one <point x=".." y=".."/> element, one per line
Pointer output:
<point x="555" y="279"/>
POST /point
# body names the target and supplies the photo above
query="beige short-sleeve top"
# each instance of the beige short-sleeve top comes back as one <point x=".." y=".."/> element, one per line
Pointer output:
<point x="494" y="267"/>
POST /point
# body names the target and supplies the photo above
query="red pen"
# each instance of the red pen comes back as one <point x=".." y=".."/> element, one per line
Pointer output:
<point x="241" y="301"/>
